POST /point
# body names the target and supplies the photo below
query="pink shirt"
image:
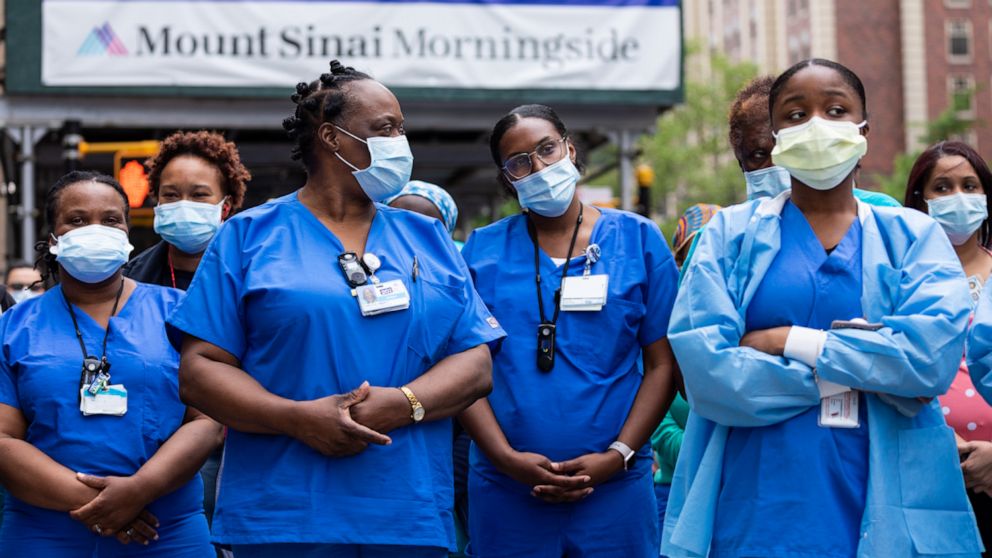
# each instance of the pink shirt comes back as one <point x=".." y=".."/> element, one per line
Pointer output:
<point x="965" y="410"/>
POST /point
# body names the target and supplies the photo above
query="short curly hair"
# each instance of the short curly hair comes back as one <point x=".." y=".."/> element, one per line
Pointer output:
<point x="211" y="147"/>
<point x="750" y="107"/>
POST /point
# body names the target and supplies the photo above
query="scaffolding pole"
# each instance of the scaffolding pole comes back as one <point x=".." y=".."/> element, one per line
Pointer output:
<point x="26" y="137"/>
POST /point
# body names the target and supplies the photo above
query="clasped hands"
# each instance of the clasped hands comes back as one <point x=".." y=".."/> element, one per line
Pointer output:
<point x="345" y="424"/>
<point x="117" y="508"/>
<point x="559" y="482"/>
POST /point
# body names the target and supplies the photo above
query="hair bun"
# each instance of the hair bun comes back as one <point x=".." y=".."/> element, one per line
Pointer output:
<point x="290" y="123"/>
<point x="338" y="68"/>
<point x="310" y="104"/>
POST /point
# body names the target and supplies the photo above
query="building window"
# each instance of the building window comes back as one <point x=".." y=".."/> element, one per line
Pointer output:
<point x="961" y="91"/>
<point x="957" y="3"/>
<point x="959" y="41"/>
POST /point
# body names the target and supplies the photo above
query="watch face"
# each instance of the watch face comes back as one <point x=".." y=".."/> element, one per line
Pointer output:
<point x="418" y="414"/>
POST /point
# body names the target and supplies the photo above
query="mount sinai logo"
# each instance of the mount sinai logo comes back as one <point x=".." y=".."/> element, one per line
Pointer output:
<point x="102" y="41"/>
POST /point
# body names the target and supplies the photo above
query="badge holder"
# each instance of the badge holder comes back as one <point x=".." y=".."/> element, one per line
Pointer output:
<point x="587" y="293"/>
<point x="380" y="297"/>
<point x="840" y="410"/>
<point x="97" y="396"/>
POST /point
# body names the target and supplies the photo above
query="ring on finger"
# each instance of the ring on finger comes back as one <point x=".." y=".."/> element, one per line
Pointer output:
<point x="96" y="529"/>
<point x="129" y="532"/>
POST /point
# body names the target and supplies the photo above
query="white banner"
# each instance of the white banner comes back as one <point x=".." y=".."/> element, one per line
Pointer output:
<point x="518" y="45"/>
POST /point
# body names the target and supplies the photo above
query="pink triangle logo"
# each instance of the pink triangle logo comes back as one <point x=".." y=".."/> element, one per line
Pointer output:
<point x="102" y="40"/>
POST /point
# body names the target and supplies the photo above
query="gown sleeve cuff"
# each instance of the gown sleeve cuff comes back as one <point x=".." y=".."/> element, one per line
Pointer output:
<point x="805" y="345"/>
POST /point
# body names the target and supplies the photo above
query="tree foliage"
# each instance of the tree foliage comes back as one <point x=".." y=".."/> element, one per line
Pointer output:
<point x="947" y="125"/>
<point x="689" y="151"/>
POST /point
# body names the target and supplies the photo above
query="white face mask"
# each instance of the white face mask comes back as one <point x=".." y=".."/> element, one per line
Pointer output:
<point x="820" y="153"/>
<point x="24" y="294"/>
<point x="92" y="253"/>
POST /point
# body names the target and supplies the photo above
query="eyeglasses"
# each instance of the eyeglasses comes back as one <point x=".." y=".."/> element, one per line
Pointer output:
<point x="549" y="153"/>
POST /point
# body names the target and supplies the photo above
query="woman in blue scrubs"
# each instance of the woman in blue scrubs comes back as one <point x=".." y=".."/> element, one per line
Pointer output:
<point x="813" y="332"/>
<point x="336" y="336"/>
<point x="561" y="465"/>
<point x="95" y="441"/>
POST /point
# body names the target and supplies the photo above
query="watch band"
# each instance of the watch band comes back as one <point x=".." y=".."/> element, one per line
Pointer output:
<point x="417" y="411"/>
<point x="625" y="452"/>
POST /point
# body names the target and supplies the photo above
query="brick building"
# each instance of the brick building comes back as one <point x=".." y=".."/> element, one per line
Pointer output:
<point x="916" y="57"/>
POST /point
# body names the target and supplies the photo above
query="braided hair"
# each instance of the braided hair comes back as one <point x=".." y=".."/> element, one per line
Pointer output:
<point x="45" y="262"/>
<point x="317" y="102"/>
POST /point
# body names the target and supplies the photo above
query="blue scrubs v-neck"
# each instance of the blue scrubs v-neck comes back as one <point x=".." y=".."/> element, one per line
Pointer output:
<point x="270" y="292"/>
<point x="39" y="375"/>
<point x="796" y="489"/>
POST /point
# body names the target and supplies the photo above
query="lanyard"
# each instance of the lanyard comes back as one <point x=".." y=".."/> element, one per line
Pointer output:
<point x="172" y="269"/>
<point x="537" y="268"/>
<point x="79" y="334"/>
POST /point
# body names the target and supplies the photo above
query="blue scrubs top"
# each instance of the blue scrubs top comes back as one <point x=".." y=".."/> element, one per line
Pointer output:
<point x="269" y="291"/>
<point x="40" y="367"/>
<point x="795" y="488"/>
<point x="581" y="405"/>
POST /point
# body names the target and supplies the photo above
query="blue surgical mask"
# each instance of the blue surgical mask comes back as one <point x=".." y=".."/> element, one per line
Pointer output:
<point x="389" y="171"/>
<point x="188" y="225"/>
<point x="92" y="253"/>
<point x="960" y="215"/>
<point x="549" y="191"/>
<point x="767" y="183"/>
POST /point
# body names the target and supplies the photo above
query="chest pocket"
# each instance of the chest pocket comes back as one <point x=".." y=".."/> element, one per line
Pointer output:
<point x="159" y="397"/>
<point x="436" y="309"/>
<point x="600" y="342"/>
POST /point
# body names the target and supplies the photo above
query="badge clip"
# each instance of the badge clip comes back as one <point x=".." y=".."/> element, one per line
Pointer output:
<point x="354" y="271"/>
<point x="593" y="254"/>
<point x="372" y="263"/>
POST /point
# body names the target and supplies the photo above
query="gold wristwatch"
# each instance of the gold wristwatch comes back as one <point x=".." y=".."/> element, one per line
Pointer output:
<point x="417" y="411"/>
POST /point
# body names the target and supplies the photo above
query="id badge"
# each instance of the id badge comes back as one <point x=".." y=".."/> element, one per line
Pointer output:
<point x="112" y="401"/>
<point x="380" y="298"/>
<point x="585" y="293"/>
<point x="840" y="410"/>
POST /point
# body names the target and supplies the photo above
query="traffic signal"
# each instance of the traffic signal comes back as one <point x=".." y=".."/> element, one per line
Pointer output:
<point x="134" y="179"/>
<point x="644" y="174"/>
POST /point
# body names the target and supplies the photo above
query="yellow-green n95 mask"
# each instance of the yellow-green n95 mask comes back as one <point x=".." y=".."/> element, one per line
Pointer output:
<point x="820" y="153"/>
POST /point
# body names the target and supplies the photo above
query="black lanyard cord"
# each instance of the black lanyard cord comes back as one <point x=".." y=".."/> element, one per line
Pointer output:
<point x="75" y="324"/>
<point x="537" y="267"/>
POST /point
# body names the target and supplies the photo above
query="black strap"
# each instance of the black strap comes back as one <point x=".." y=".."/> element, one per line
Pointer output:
<point x="532" y="231"/>
<point x="75" y="324"/>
